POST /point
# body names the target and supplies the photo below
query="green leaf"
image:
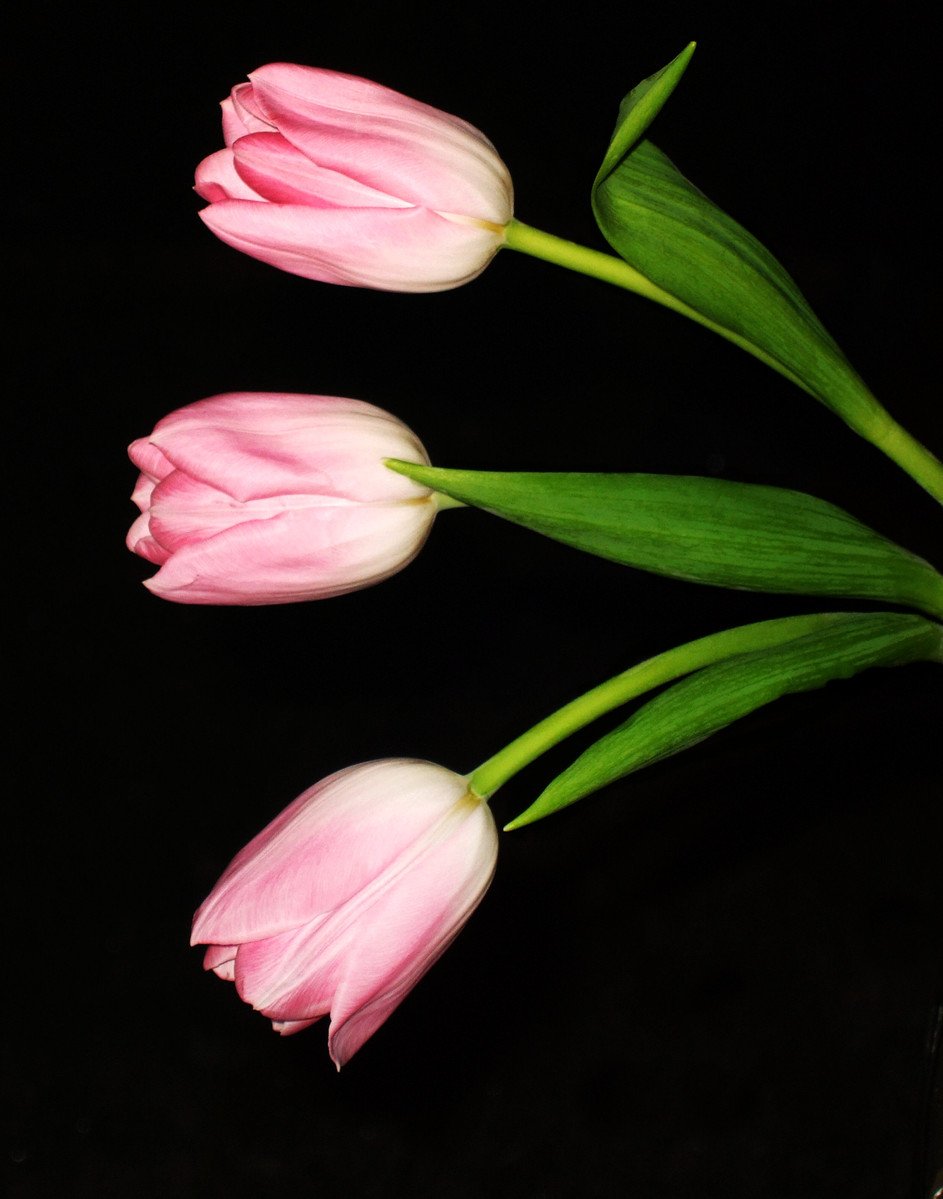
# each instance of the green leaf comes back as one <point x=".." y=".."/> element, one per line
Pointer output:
<point x="704" y="530"/>
<point x="712" y="698"/>
<point x="640" y="107"/>
<point x="665" y="228"/>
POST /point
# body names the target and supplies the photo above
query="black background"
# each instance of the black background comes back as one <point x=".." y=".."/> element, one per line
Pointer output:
<point x="715" y="978"/>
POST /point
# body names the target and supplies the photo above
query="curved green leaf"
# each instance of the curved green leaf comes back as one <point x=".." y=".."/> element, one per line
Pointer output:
<point x="712" y="698"/>
<point x="640" y="107"/>
<point x="663" y="226"/>
<point x="704" y="530"/>
<point x="682" y="251"/>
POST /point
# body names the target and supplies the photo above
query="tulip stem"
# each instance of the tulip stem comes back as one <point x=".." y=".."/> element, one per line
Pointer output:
<point x="873" y="423"/>
<point x="630" y="684"/>
<point x="610" y="269"/>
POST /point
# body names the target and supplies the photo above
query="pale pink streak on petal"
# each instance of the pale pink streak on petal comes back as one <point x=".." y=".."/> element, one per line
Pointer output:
<point x="274" y="169"/>
<point x="402" y="249"/>
<point x="387" y="140"/>
<point x="324" y="848"/>
<point x="287" y="1028"/>
<point x="216" y="179"/>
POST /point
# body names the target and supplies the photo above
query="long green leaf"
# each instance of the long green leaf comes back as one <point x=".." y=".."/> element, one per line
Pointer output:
<point x="663" y="226"/>
<point x="681" y="250"/>
<point x="712" y="698"/>
<point x="703" y="530"/>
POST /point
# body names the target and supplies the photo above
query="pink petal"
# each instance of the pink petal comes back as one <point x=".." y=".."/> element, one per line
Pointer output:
<point x="291" y="976"/>
<point x="185" y="512"/>
<point x="149" y="459"/>
<point x="221" y="959"/>
<point x="388" y="141"/>
<point x="216" y="179"/>
<point x="298" y="554"/>
<point x="371" y="950"/>
<point x="287" y="1028"/>
<point x="256" y="446"/>
<point x="139" y="530"/>
<point x="274" y="169"/>
<point x="233" y="124"/>
<point x="246" y="110"/>
<point x="414" y="920"/>
<point x="238" y="119"/>
<point x="143" y="490"/>
<point x="140" y="541"/>
<point x="329" y="844"/>
<point x="399" y="249"/>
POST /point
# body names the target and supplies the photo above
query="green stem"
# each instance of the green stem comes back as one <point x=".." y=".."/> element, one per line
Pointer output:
<point x="874" y="423"/>
<point x="635" y="681"/>
<point x="610" y="269"/>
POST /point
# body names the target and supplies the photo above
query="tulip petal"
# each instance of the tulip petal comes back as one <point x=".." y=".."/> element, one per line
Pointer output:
<point x="149" y="459"/>
<point x="221" y="959"/>
<point x="238" y="120"/>
<point x="383" y="938"/>
<point x="140" y="541"/>
<point x="233" y="124"/>
<point x="412" y="923"/>
<point x="292" y="976"/>
<point x="274" y="169"/>
<point x="398" y="249"/>
<point x="386" y="140"/>
<point x="139" y="530"/>
<point x="217" y="179"/>
<point x="301" y="554"/>
<point x="324" y="848"/>
<point x="185" y="511"/>
<point x="245" y="110"/>
<point x="143" y="490"/>
<point x="262" y="445"/>
<point x="287" y="1028"/>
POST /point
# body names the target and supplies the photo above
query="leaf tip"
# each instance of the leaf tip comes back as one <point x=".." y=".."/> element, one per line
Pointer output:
<point x="519" y="821"/>
<point x="680" y="61"/>
<point x="412" y="470"/>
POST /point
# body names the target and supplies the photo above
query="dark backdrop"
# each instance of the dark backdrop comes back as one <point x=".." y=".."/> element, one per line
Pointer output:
<point x="715" y="978"/>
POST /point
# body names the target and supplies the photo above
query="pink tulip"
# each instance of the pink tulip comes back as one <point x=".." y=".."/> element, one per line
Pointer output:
<point x="256" y="498"/>
<point x="347" y="898"/>
<point x="336" y="178"/>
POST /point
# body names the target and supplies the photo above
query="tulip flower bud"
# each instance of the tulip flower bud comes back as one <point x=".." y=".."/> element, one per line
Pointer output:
<point x="347" y="898"/>
<point x="257" y="498"/>
<point x="336" y="178"/>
